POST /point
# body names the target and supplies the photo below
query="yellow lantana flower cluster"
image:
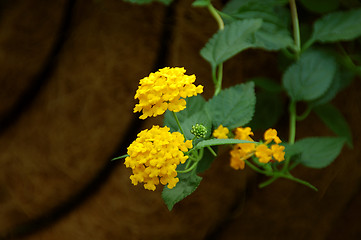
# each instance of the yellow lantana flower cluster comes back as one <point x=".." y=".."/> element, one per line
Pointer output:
<point x="165" y="89"/>
<point x="243" y="151"/>
<point x="154" y="156"/>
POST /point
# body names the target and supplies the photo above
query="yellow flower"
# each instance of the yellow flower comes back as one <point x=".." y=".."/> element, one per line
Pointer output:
<point x="237" y="158"/>
<point x="263" y="153"/>
<point x="221" y="132"/>
<point x="154" y="156"/>
<point x="244" y="133"/>
<point x="271" y="134"/>
<point x="278" y="152"/>
<point x="165" y="89"/>
<point x="242" y="151"/>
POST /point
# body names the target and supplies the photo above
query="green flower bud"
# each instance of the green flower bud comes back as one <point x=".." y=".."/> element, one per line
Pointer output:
<point x="199" y="131"/>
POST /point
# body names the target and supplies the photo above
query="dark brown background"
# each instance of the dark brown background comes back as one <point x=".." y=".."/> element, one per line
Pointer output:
<point x="69" y="70"/>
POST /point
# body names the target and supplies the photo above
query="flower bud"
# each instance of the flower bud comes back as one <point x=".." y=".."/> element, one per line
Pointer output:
<point x="199" y="131"/>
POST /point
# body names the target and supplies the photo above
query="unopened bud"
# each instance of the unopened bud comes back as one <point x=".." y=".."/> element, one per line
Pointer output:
<point x="199" y="131"/>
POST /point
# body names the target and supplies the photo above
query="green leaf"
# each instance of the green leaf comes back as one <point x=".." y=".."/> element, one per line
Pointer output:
<point x="234" y="6"/>
<point x="233" y="107"/>
<point x="166" y="2"/>
<point x="269" y="109"/>
<point x="341" y="80"/>
<point x="319" y="152"/>
<point x="273" y="37"/>
<point x="201" y="3"/>
<point x="267" y="84"/>
<point x="194" y="113"/>
<point x="333" y="119"/>
<point x="188" y="183"/>
<point x="321" y="6"/>
<point x="226" y="43"/>
<point x="217" y="142"/>
<point x="310" y="77"/>
<point x="274" y="33"/>
<point x="338" y="26"/>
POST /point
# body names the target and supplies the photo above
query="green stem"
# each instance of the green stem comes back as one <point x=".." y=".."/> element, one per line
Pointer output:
<point x="348" y="60"/>
<point x="188" y="169"/>
<point x="180" y="127"/>
<point x="296" y="27"/>
<point x="256" y="169"/>
<point x="292" y="133"/>
<point x="123" y="156"/>
<point x="308" y="44"/>
<point x="268" y="182"/>
<point x="214" y="75"/>
<point x="218" y="86"/>
<point x="292" y="111"/>
<point x="212" y="151"/>
<point x="290" y="177"/>
<point x="216" y="16"/>
<point x="217" y="79"/>
<point x="305" y="114"/>
<point x="287" y="176"/>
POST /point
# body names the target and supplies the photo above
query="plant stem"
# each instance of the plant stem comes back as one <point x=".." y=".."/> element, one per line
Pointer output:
<point x="218" y="85"/>
<point x="296" y="27"/>
<point x="123" y="156"/>
<point x="268" y="182"/>
<point x="216" y="16"/>
<point x="289" y="176"/>
<point x="255" y="168"/>
<point x="211" y="150"/>
<point x="217" y="79"/>
<point x="305" y="114"/>
<point x="292" y="134"/>
<point x="180" y="127"/>
<point x="188" y="169"/>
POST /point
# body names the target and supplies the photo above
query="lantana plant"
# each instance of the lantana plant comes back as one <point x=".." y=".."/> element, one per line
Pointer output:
<point x="175" y="154"/>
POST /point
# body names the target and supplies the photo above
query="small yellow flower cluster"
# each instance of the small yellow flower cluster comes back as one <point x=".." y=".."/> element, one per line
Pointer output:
<point x="221" y="132"/>
<point x="243" y="151"/>
<point x="165" y="89"/>
<point x="154" y="156"/>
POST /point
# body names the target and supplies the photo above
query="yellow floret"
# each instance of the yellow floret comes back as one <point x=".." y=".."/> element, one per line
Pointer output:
<point x="221" y="132"/>
<point x="271" y="134"/>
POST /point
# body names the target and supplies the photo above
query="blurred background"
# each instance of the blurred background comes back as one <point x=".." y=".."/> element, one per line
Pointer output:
<point x="69" y="72"/>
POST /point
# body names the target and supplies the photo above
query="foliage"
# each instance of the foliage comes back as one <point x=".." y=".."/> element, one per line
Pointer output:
<point x="314" y="73"/>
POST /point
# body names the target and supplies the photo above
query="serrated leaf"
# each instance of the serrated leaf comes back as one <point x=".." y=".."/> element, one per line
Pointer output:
<point x="341" y="79"/>
<point x="194" y="113"/>
<point x="233" y="107"/>
<point x="333" y="119"/>
<point x="310" y="77"/>
<point x="218" y="142"/>
<point x="274" y="33"/>
<point x="319" y="152"/>
<point x="188" y="183"/>
<point x="272" y="37"/>
<point x="226" y="43"/>
<point x="338" y="26"/>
